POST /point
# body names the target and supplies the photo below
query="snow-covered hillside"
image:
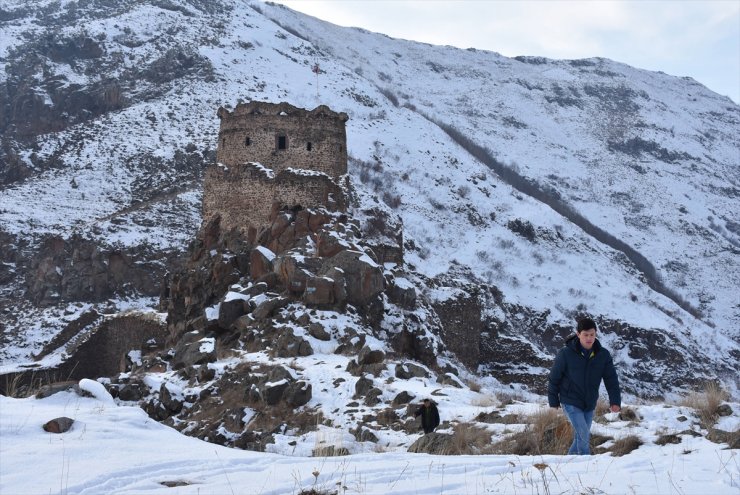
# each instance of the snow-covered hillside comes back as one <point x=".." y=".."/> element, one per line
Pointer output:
<point x="117" y="449"/>
<point x="650" y="159"/>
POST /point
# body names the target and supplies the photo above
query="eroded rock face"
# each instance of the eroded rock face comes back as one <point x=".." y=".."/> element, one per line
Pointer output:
<point x="77" y="269"/>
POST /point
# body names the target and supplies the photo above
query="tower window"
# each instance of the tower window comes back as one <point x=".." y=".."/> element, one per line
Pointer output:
<point x="309" y="146"/>
<point x="223" y="141"/>
<point x="247" y="141"/>
<point x="282" y="142"/>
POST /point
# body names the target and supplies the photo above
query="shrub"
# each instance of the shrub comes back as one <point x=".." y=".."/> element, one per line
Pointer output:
<point x="547" y="432"/>
<point x="706" y="403"/>
<point x="625" y="445"/>
<point x="468" y="439"/>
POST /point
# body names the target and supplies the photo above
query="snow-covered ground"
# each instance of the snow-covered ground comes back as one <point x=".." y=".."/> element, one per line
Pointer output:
<point x="118" y="449"/>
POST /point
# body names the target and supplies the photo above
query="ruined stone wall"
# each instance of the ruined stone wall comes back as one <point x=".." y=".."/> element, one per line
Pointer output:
<point x="243" y="194"/>
<point x="281" y="136"/>
<point x="275" y="153"/>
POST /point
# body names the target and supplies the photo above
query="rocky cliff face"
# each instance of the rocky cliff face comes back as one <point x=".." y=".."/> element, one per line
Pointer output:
<point x="107" y="113"/>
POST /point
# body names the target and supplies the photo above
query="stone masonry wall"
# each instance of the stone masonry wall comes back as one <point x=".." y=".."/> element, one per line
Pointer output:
<point x="275" y="153"/>
<point x="313" y="140"/>
<point x="244" y="194"/>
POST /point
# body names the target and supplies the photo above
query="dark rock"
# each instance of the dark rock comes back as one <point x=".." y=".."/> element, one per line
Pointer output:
<point x="189" y="352"/>
<point x="317" y="331"/>
<point x="260" y="262"/>
<point x="373" y="396"/>
<point x="168" y="400"/>
<point x="402" y="293"/>
<point x="363" y="277"/>
<point x="405" y="371"/>
<point x="130" y="392"/>
<point x="433" y="443"/>
<point x="59" y="425"/>
<point x="273" y="392"/>
<point x="363" y="386"/>
<point x="731" y="438"/>
<point x="229" y="311"/>
<point x="724" y="410"/>
<point x="402" y="399"/>
<point x="289" y="345"/>
<point x="268" y="306"/>
<point x="53" y="388"/>
<point x="298" y="393"/>
<point x="368" y="356"/>
<point x="319" y="291"/>
<point x="364" y="435"/>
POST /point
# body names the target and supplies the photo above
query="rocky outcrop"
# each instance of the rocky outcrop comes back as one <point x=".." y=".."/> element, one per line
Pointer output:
<point x="78" y="269"/>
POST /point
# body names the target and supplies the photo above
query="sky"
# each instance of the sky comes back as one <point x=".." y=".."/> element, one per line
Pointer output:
<point x="115" y="449"/>
<point x="699" y="39"/>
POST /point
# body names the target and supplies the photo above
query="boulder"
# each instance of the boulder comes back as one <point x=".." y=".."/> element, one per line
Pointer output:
<point x="404" y="371"/>
<point x="363" y="386"/>
<point x="317" y="331"/>
<point x="290" y="345"/>
<point x="403" y="293"/>
<point x="130" y="392"/>
<point x="59" y="425"/>
<point x="433" y="443"/>
<point x="260" y="262"/>
<point x="53" y="388"/>
<point x="298" y="393"/>
<point x="169" y="399"/>
<point x="229" y="310"/>
<point x="328" y="244"/>
<point x="189" y="352"/>
<point x="363" y="277"/>
<point x="370" y="356"/>
<point x="401" y="399"/>
<point x="273" y="392"/>
<point x="265" y="308"/>
<point x="319" y="291"/>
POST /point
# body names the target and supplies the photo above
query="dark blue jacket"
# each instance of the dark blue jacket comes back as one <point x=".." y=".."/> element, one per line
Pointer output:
<point x="575" y="378"/>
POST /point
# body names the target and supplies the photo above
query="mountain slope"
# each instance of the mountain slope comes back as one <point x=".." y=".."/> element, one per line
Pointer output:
<point x="109" y="116"/>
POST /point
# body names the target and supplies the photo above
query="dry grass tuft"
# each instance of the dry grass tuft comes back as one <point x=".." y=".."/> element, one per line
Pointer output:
<point x="706" y="403"/>
<point x="470" y="439"/>
<point x="625" y="445"/>
<point x="547" y="432"/>
<point x="473" y="385"/>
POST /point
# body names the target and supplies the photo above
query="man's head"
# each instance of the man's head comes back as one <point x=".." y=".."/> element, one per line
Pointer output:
<point x="427" y="403"/>
<point x="586" y="331"/>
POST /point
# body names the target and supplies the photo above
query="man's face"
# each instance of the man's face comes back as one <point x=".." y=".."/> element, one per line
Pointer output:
<point x="427" y="403"/>
<point x="587" y="338"/>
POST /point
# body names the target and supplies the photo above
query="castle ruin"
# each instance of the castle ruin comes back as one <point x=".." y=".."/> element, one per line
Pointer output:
<point x="272" y="156"/>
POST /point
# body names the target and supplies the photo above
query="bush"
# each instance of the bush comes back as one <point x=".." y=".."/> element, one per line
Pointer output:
<point x="468" y="439"/>
<point x="547" y="432"/>
<point x="706" y="403"/>
<point x="625" y="445"/>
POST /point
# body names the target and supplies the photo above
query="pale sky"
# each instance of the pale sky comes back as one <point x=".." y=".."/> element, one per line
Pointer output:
<point x="700" y="39"/>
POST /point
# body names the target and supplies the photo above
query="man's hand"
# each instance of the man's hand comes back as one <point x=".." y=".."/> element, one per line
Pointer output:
<point x="615" y="408"/>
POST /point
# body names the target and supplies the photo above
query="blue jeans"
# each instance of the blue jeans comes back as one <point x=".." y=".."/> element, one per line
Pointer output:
<point x="581" y="421"/>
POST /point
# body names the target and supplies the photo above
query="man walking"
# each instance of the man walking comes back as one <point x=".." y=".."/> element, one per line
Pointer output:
<point x="429" y="416"/>
<point x="574" y="382"/>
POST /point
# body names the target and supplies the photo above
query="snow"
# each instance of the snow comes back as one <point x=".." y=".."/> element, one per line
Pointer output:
<point x="118" y="449"/>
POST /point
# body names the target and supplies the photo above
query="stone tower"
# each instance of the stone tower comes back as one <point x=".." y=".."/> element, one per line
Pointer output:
<point x="275" y="155"/>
